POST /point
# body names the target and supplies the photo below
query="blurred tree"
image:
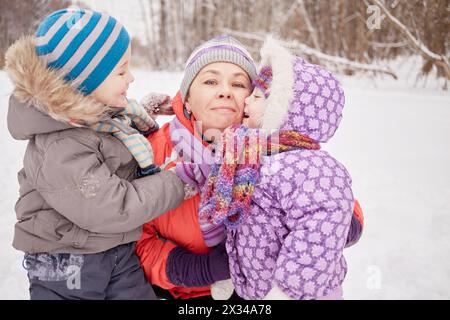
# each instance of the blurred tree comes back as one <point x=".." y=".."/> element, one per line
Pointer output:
<point x="22" y="17"/>
<point x="338" y="28"/>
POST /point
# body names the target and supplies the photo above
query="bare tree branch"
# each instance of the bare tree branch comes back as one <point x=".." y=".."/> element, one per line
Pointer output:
<point x="388" y="44"/>
<point x="324" y="58"/>
<point x="312" y="31"/>
<point x="417" y="45"/>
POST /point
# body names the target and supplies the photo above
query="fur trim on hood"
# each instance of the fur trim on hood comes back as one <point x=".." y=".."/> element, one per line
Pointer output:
<point x="46" y="89"/>
<point x="280" y="60"/>
<point x="304" y="97"/>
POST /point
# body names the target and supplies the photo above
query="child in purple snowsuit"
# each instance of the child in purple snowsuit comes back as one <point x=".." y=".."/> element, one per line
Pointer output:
<point x="290" y="243"/>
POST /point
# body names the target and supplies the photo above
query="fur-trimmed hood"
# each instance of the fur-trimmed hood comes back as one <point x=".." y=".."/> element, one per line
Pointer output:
<point x="303" y="97"/>
<point x="38" y="88"/>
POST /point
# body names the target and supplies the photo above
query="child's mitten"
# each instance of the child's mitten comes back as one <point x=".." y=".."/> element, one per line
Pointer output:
<point x="147" y="171"/>
<point x="157" y="104"/>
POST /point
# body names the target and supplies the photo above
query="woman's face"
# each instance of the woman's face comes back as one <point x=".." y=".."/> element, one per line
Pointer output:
<point x="255" y="106"/>
<point x="217" y="95"/>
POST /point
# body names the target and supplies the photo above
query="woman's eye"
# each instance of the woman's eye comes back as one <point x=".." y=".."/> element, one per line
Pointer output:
<point x="210" y="82"/>
<point x="240" y="85"/>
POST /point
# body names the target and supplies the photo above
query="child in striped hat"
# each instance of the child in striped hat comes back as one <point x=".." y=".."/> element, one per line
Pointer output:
<point x="88" y="182"/>
<point x="93" y="52"/>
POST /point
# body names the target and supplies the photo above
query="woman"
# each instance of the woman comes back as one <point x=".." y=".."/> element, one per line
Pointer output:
<point x="175" y="249"/>
<point x="172" y="249"/>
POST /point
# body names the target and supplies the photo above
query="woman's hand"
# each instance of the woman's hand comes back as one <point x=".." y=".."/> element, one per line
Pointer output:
<point x="188" y="269"/>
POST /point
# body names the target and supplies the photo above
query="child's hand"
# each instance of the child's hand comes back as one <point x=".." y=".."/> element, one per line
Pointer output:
<point x="189" y="190"/>
<point x="148" y="171"/>
<point x="157" y="104"/>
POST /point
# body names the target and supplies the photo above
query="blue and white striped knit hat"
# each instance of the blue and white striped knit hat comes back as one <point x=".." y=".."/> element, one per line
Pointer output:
<point x="223" y="48"/>
<point x="85" y="44"/>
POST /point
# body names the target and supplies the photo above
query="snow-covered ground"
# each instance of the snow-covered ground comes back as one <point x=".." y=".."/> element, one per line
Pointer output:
<point x="394" y="140"/>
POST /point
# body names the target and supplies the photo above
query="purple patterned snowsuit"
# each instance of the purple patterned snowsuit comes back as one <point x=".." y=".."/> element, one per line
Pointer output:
<point x="302" y="207"/>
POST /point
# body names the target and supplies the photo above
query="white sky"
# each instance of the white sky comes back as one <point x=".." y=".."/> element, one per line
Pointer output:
<point x="127" y="12"/>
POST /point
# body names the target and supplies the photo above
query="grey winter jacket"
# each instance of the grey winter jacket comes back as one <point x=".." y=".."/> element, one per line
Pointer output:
<point x="78" y="191"/>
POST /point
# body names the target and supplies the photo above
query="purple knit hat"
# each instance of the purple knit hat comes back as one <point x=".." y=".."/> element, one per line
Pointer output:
<point x="222" y="48"/>
<point x="263" y="80"/>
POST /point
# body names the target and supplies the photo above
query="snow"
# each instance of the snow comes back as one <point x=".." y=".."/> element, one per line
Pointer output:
<point x="395" y="145"/>
<point x="394" y="141"/>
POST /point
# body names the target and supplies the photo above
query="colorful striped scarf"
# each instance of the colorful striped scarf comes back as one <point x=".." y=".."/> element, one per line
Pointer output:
<point x="228" y="192"/>
<point x="120" y="126"/>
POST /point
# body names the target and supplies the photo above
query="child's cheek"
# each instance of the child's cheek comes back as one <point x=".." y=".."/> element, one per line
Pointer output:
<point x="121" y="102"/>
